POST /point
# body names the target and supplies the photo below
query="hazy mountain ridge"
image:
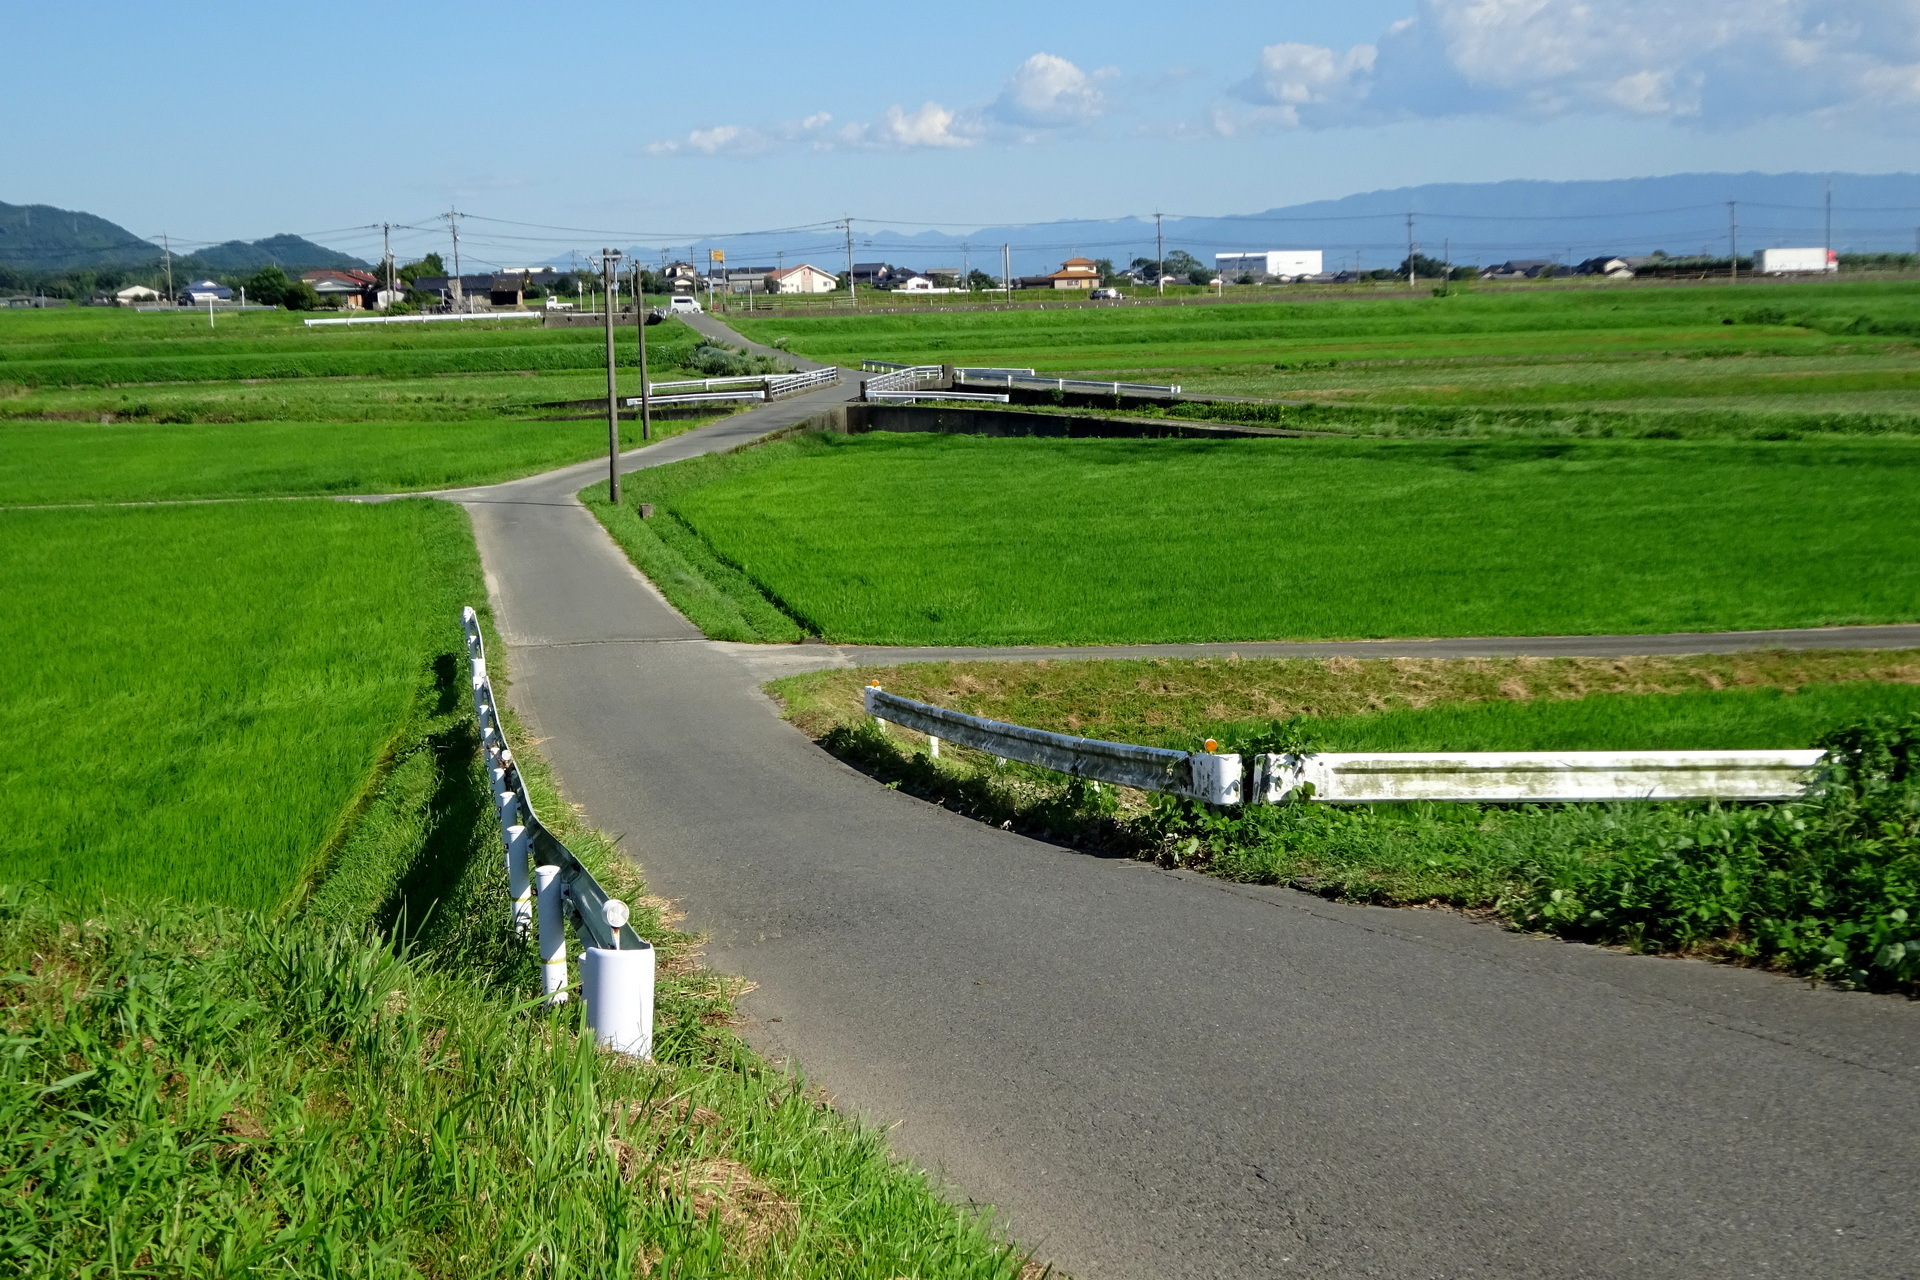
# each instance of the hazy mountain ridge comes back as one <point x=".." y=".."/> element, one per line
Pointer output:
<point x="42" y="238"/>
<point x="1479" y="222"/>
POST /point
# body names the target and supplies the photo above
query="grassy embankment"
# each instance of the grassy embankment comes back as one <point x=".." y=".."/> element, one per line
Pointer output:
<point x="109" y="405"/>
<point x="1750" y="360"/>
<point x="1828" y="887"/>
<point x="960" y="540"/>
<point x="264" y="1010"/>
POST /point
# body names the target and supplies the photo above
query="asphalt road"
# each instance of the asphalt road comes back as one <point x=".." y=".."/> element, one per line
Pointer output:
<point x="1155" y="1074"/>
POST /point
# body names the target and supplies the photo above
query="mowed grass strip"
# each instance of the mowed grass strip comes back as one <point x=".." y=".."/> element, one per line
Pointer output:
<point x="1774" y="698"/>
<point x="56" y="463"/>
<point x="197" y="694"/>
<point x="959" y="540"/>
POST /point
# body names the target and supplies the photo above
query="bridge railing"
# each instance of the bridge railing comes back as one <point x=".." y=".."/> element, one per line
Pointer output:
<point x="548" y="885"/>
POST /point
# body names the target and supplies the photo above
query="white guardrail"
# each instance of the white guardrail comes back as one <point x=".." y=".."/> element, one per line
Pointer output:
<point x="1028" y="380"/>
<point x="617" y="965"/>
<point x="429" y="319"/>
<point x="1221" y="778"/>
<point x="898" y="380"/>
<point x="757" y="386"/>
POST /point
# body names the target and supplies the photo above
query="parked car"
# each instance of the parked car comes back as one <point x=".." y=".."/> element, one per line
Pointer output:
<point x="1106" y="295"/>
<point x="683" y="304"/>
<point x="556" y="304"/>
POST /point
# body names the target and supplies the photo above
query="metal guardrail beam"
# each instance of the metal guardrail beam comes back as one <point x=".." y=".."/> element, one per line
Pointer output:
<point x="770" y="386"/>
<point x="586" y="899"/>
<point x="1541" y="777"/>
<point x="1546" y="777"/>
<point x="1198" y="774"/>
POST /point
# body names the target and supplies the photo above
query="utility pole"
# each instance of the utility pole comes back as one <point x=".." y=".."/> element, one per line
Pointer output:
<point x="640" y="325"/>
<point x="1410" y="280"/>
<point x="167" y="249"/>
<point x="459" y="298"/>
<point x="853" y="301"/>
<point x="386" y="253"/>
<point x="1446" y="266"/>
<point x="1828" y="244"/>
<point x="607" y="258"/>
<point x="1006" y="271"/>
<point x="1733" y="240"/>
<point x="1159" y="257"/>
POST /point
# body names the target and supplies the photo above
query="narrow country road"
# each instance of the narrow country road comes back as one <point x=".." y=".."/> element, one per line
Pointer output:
<point x="1154" y="1074"/>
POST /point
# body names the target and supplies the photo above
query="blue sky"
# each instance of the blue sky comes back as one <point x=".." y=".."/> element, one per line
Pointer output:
<point x="213" y="121"/>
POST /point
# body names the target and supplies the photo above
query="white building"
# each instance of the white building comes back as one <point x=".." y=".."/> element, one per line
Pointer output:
<point x="1274" y="264"/>
<point x="1780" y="262"/>
<point x="805" y="278"/>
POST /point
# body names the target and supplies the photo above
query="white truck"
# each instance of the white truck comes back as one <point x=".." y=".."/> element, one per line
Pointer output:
<point x="1780" y="262"/>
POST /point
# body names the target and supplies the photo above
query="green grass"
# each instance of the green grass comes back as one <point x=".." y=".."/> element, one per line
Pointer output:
<point x="961" y="540"/>
<point x="1697" y="359"/>
<point x="154" y="408"/>
<point x="48" y="463"/>
<point x="1717" y="720"/>
<point x="199" y="693"/>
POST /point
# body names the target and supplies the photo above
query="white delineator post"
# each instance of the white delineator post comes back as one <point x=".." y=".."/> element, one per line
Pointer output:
<point x="553" y="935"/>
<point x="617" y="984"/>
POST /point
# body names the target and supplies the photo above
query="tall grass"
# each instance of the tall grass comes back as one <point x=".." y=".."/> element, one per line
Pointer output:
<point x="193" y="1092"/>
<point x="960" y="540"/>
<point x="196" y="694"/>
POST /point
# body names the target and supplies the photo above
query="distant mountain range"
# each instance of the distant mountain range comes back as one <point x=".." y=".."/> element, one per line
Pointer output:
<point x="41" y="238"/>
<point x="1470" y="222"/>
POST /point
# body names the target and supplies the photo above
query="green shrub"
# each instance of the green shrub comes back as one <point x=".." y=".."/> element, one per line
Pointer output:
<point x="725" y="362"/>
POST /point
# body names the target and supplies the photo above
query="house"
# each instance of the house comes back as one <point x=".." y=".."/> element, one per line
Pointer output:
<point x="1521" y="269"/>
<point x="682" y="277"/>
<point x="1617" y="268"/>
<point x="351" y="289"/>
<point x="201" y="292"/>
<point x="474" y="291"/>
<point x="1076" y="273"/>
<point x="876" y="275"/>
<point x="1033" y="282"/>
<point x="915" y="283"/>
<point x="135" y="294"/>
<point x="805" y="278"/>
<point x="744" y="280"/>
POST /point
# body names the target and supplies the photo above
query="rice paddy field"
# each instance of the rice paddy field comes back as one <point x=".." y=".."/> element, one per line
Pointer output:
<point x="1767" y="358"/>
<point x="927" y="539"/>
<point x="197" y="693"/>
<point x="106" y="405"/>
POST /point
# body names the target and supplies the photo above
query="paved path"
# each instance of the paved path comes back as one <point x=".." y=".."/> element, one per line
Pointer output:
<point x="1155" y="1074"/>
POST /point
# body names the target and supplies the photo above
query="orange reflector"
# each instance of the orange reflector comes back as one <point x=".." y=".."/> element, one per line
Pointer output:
<point x="1212" y="745"/>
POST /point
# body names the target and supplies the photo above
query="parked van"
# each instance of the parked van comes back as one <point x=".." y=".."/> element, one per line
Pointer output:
<point x="682" y="304"/>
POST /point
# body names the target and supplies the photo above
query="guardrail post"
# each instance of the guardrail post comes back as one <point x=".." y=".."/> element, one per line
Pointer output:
<point x="553" y="935"/>
<point x="1216" y="777"/>
<point x="617" y="985"/>
<point x="519" y="846"/>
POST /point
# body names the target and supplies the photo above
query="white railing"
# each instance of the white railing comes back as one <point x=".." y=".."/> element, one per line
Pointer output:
<point x="757" y="386"/>
<point x="457" y="315"/>
<point x="898" y="378"/>
<point x="1027" y="380"/>
<point x="995" y="397"/>
<point x="617" y="965"/>
<point x="1545" y="777"/>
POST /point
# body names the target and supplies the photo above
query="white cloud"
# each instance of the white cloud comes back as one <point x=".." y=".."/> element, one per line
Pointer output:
<point x="1044" y="92"/>
<point x="1048" y="92"/>
<point x="931" y="125"/>
<point x="1712" y="62"/>
<point x="739" y="140"/>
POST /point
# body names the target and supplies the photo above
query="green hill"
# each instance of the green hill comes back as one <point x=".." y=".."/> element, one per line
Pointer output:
<point x="286" y="251"/>
<point x="39" y="237"/>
